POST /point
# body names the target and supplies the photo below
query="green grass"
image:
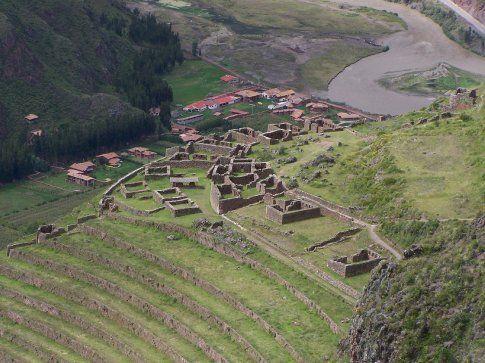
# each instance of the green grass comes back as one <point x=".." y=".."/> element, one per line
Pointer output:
<point x="274" y="303"/>
<point x="297" y="236"/>
<point x="195" y="80"/>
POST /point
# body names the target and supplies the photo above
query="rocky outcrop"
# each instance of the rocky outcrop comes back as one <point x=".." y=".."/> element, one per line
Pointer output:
<point x="476" y="8"/>
<point x="427" y="308"/>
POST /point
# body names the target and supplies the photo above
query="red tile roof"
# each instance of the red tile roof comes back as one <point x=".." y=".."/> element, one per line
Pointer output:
<point x="109" y="156"/>
<point x="31" y="117"/>
<point x="83" y="167"/>
<point x="228" y="78"/>
<point x="235" y="111"/>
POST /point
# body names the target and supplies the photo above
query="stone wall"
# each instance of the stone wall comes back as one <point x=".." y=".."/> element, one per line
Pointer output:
<point x="281" y="217"/>
<point x="210" y="242"/>
<point x="73" y="319"/>
<point x="362" y="262"/>
<point x="153" y="282"/>
<point x="213" y="149"/>
<point x="340" y="236"/>
<point x="185" y="274"/>
<point x="117" y="291"/>
<point x="95" y="305"/>
<point x="223" y="205"/>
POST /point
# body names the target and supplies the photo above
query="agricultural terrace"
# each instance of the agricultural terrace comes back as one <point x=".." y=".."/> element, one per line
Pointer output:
<point x="139" y="283"/>
<point x="45" y="197"/>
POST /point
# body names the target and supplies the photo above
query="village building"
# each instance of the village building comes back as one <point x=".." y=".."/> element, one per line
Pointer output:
<point x="112" y="159"/>
<point x="345" y="116"/>
<point x="298" y="99"/>
<point x="228" y="78"/>
<point x="271" y="93"/>
<point x="248" y="95"/>
<point x="36" y="132"/>
<point x="85" y="167"/>
<point x="198" y="106"/>
<point x="283" y="96"/>
<point x="31" y="117"/>
<point x="188" y="137"/>
<point x="154" y="111"/>
<point x="141" y="152"/>
<point x="76" y="177"/>
<point x="317" y="106"/>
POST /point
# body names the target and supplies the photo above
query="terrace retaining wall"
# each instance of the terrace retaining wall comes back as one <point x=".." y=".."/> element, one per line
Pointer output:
<point x="186" y="275"/>
<point x="210" y="242"/>
<point x="154" y="283"/>
<point x="93" y="304"/>
<point x="128" y="297"/>
<point x="73" y="319"/>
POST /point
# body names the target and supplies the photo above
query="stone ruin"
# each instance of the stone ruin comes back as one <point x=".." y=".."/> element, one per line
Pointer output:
<point x="461" y="99"/>
<point x="276" y="133"/>
<point x="47" y="231"/>
<point x="270" y="185"/>
<point x="286" y="126"/>
<point x="283" y="211"/>
<point x="176" y="202"/>
<point x="157" y="171"/>
<point x="128" y="191"/>
<point x="320" y="124"/>
<point x="363" y="261"/>
<point x="226" y="167"/>
<point x="230" y="176"/>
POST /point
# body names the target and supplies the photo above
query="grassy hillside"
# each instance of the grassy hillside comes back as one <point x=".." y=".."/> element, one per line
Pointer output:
<point x="56" y="61"/>
<point x="397" y="168"/>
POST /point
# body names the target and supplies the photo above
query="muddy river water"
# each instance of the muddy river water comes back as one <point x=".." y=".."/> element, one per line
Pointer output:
<point x="421" y="46"/>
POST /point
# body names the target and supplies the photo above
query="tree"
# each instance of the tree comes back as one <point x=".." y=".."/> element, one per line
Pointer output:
<point x="195" y="47"/>
<point x="165" y="116"/>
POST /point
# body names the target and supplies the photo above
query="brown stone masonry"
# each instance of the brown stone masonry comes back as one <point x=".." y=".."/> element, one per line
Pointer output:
<point x="73" y="319"/>
<point x="52" y="333"/>
<point x="340" y="236"/>
<point x="362" y="262"/>
<point x="153" y="311"/>
<point x="95" y="305"/>
<point x="210" y="242"/>
<point x="37" y="350"/>
<point x="188" y="276"/>
<point x="154" y="283"/>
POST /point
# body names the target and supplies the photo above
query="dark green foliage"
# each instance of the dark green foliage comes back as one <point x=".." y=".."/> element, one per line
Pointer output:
<point x="62" y="60"/>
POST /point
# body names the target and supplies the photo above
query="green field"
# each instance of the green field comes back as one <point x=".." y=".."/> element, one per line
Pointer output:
<point x="195" y="80"/>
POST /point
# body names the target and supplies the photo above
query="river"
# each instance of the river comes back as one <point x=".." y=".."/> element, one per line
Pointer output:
<point x="421" y="46"/>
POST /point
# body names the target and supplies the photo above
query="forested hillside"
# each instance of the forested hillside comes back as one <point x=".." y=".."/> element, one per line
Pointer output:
<point x="89" y="69"/>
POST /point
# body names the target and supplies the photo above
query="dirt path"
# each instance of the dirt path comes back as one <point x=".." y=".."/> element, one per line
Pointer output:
<point x="371" y="228"/>
<point x="348" y="293"/>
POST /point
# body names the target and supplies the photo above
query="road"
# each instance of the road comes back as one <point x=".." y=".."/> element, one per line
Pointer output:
<point x="371" y="228"/>
<point x="475" y="23"/>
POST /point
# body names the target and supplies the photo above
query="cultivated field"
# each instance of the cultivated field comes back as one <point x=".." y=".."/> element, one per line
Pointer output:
<point x="301" y="44"/>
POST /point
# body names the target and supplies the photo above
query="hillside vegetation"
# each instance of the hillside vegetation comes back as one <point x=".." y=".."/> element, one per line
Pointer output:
<point x="78" y="66"/>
